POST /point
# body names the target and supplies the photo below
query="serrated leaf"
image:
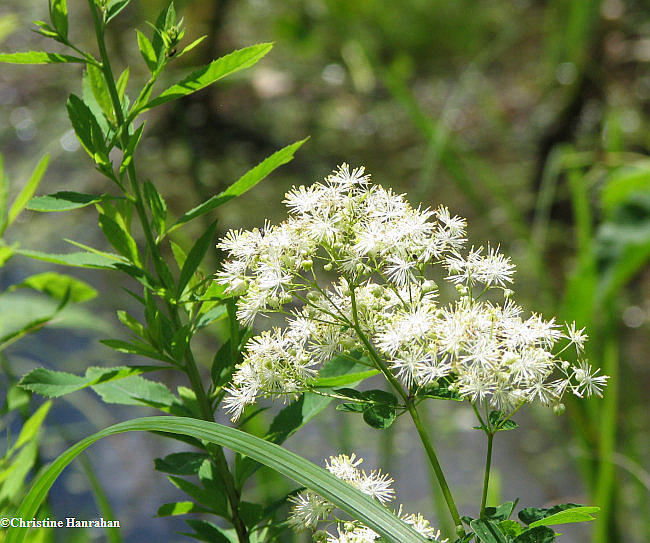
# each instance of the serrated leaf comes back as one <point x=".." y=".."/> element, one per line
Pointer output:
<point x="58" y="286"/>
<point x="567" y="516"/>
<point x="195" y="256"/>
<point x="179" y="508"/>
<point x="28" y="190"/>
<point x="539" y="534"/>
<point x="64" y="201"/>
<point x="147" y="51"/>
<point x="244" y="183"/>
<point x="343" y="495"/>
<point x="135" y="391"/>
<point x="181" y="463"/>
<point x="217" y="69"/>
<point x="59" y="16"/>
<point x="53" y="384"/>
<point x="37" y="57"/>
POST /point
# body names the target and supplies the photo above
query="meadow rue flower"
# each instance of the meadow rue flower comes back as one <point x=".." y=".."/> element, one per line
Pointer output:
<point x="383" y="302"/>
<point x="309" y="509"/>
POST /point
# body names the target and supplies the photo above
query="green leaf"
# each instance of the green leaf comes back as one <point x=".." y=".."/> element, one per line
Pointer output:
<point x="440" y="391"/>
<point x="346" y="497"/>
<point x="181" y="463"/>
<point x="115" y="7"/>
<point x="539" y="534"/>
<point x="379" y="416"/>
<point x="122" y="83"/>
<point x="157" y="206"/>
<point x="87" y="129"/>
<point x="32" y="425"/>
<point x="206" y="531"/>
<point x="568" y="516"/>
<point x="58" y="286"/>
<point x="147" y="51"/>
<point x="511" y="528"/>
<point x="191" y="46"/>
<point x="28" y="190"/>
<point x="136" y="347"/>
<point x="78" y="259"/>
<point x="59" y="17"/>
<point x="54" y="384"/>
<point x="64" y="201"/>
<point x="119" y="238"/>
<point x="244" y="183"/>
<point x="502" y="512"/>
<point x="488" y="531"/>
<point x="201" y="78"/>
<point x="195" y="257"/>
<point x="180" y="508"/>
<point x="533" y="514"/>
<point x="205" y="498"/>
<point x="339" y="380"/>
<point x="100" y="90"/>
<point x="135" y="391"/>
<point x="251" y="513"/>
<point x="37" y="57"/>
<point x="498" y="421"/>
<point x="13" y="477"/>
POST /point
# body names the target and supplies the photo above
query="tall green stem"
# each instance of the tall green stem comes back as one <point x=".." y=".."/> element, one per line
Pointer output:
<point x="486" y="476"/>
<point x="415" y="416"/>
<point x="190" y="364"/>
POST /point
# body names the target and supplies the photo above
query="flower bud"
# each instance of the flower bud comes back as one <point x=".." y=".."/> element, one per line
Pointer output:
<point x="328" y="266"/>
<point x="559" y="408"/>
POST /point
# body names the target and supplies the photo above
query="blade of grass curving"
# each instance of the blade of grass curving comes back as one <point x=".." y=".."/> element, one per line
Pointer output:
<point x="289" y="464"/>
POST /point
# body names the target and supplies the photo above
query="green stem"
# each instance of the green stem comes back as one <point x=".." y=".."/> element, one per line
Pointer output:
<point x="415" y="416"/>
<point x="486" y="477"/>
<point x="190" y="364"/>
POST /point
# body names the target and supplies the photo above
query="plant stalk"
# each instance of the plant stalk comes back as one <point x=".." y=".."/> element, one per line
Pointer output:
<point x="486" y="477"/>
<point x="415" y="416"/>
<point x="190" y="364"/>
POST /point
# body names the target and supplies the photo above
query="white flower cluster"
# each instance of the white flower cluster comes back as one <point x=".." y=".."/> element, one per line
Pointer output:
<point x="384" y="302"/>
<point x="309" y="509"/>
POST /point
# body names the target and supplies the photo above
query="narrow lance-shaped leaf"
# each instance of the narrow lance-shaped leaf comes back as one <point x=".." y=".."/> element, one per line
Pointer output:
<point x="147" y="51"/>
<point x="217" y="69"/>
<point x="64" y="201"/>
<point x="244" y="183"/>
<point x="343" y="495"/>
<point x="37" y="57"/>
<point x="195" y="256"/>
<point x="87" y="129"/>
<point x="59" y="16"/>
<point x="100" y="90"/>
<point x="58" y="286"/>
<point x="28" y="190"/>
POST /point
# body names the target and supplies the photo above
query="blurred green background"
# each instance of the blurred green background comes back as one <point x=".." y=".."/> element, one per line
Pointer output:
<point x="529" y="118"/>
